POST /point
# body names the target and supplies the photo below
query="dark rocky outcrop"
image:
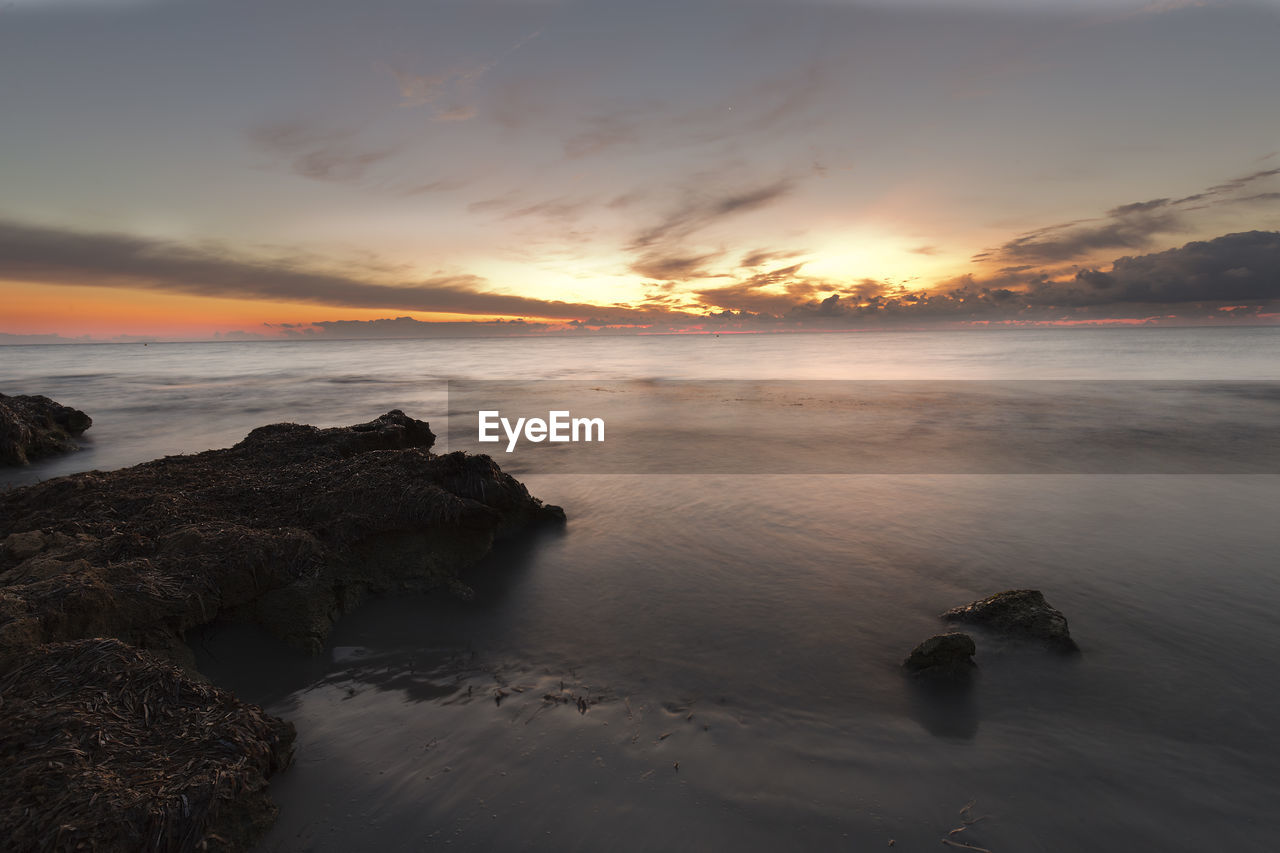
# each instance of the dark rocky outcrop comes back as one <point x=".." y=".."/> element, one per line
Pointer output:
<point x="104" y="747"/>
<point x="949" y="655"/>
<point x="287" y="529"/>
<point x="1018" y="613"/>
<point x="32" y="427"/>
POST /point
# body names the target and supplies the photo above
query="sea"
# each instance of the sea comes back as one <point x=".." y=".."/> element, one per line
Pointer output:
<point x="707" y="656"/>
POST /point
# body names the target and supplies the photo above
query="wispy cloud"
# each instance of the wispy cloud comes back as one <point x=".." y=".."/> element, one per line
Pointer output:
<point x="1128" y="226"/>
<point x="449" y="94"/>
<point x="516" y="205"/>
<point x="445" y="93"/>
<point x="673" y="267"/>
<point x="701" y="209"/>
<point x="439" y="185"/>
<point x="322" y="154"/>
<point x="1217" y="192"/>
<point x="759" y="257"/>
<point x="758" y="107"/>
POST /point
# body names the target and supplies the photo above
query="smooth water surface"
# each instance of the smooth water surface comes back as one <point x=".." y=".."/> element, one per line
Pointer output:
<point x="735" y="640"/>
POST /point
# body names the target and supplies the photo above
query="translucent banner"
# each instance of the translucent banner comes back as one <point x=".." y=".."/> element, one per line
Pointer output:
<point x="869" y="427"/>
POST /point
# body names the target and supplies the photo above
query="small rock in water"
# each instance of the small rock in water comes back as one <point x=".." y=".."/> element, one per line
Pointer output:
<point x="1018" y="613"/>
<point x="945" y="654"/>
<point x="35" y="426"/>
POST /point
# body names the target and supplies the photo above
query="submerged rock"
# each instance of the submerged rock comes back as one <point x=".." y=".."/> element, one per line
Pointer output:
<point x="33" y="426"/>
<point x="1018" y="613"/>
<point x="286" y="529"/>
<point x="945" y="654"/>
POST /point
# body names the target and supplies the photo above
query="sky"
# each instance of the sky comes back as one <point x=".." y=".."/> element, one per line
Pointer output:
<point x="197" y="169"/>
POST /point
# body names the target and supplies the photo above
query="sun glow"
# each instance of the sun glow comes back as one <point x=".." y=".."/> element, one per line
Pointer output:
<point x="878" y="256"/>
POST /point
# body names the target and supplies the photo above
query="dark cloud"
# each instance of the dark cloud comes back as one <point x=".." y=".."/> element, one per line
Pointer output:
<point x="1194" y="281"/>
<point x="1239" y="268"/>
<point x="54" y="256"/>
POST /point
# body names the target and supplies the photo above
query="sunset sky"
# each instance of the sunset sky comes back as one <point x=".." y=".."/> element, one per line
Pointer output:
<point x="186" y="168"/>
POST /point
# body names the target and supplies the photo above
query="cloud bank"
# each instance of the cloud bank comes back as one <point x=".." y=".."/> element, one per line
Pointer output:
<point x="1231" y="278"/>
<point x="66" y="257"/>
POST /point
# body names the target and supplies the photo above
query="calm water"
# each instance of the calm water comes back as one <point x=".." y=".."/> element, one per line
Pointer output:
<point x="748" y="628"/>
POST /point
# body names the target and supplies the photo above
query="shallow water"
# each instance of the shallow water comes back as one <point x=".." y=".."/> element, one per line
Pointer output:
<point x="749" y="627"/>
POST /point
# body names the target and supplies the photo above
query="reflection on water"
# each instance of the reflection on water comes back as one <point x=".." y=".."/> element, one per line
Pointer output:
<point x="751" y="629"/>
<point x="946" y="708"/>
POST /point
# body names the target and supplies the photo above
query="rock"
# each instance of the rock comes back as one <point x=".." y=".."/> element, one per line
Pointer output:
<point x="944" y="654"/>
<point x="33" y="426"/>
<point x="1018" y="613"/>
<point x="287" y="529"/>
<point x="134" y="752"/>
<point x="23" y="546"/>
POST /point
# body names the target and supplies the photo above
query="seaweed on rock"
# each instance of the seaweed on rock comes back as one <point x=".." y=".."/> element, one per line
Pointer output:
<point x="104" y="747"/>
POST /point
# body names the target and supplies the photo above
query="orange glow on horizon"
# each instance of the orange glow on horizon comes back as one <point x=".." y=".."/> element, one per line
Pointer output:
<point x="100" y="312"/>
